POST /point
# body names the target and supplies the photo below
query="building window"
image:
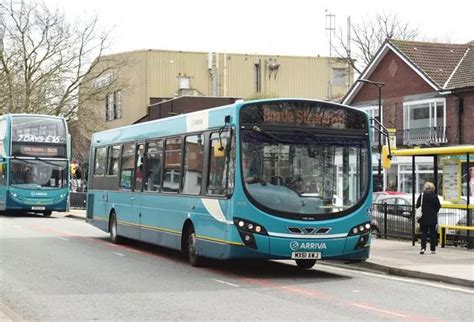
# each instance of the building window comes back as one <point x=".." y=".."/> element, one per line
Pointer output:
<point x="113" y="108"/>
<point x="373" y="112"/>
<point x="424" y="122"/>
<point x="339" y="76"/>
<point x="423" y="173"/>
<point x="258" y="77"/>
<point x="184" y="82"/>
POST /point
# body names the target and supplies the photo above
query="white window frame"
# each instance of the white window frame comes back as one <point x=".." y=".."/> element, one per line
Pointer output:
<point x="113" y="106"/>
<point x="184" y="82"/>
<point x="372" y="110"/>
<point x="432" y="106"/>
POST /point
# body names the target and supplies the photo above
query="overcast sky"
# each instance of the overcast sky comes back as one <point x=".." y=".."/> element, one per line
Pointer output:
<point x="290" y="27"/>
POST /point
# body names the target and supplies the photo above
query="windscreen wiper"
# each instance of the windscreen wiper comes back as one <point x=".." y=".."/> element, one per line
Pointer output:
<point x="271" y="135"/>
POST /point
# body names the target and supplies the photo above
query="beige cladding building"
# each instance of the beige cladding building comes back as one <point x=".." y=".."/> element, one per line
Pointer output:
<point x="148" y="76"/>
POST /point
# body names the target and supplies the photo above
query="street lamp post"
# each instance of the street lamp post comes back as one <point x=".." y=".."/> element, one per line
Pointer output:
<point x="379" y="86"/>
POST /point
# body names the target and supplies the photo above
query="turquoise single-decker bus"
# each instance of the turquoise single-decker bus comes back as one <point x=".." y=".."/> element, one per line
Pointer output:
<point x="34" y="163"/>
<point x="264" y="179"/>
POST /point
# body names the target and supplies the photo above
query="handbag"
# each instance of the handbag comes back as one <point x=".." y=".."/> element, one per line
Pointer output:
<point x="419" y="212"/>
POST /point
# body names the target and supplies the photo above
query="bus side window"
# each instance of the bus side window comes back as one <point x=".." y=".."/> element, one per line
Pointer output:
<point x="219" y="175"/>
<point x="172" y="171"/>
<point x="193" y="164"/>
<point x="3" y="174"/>
<point x="128" y="163"/>
<point x="113" y="160"/>
<point x="139" y="167"/>
<point x="100" y="161"/>
<point x="154" y="160"/>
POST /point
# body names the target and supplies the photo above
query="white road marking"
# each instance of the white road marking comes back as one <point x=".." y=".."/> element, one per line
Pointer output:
<point x="62" y="238"/>
<point x="378" y="310"/>
<point x="401" y="279"/>
<point x="226" y="283"/>
<point x="119" y="254"/>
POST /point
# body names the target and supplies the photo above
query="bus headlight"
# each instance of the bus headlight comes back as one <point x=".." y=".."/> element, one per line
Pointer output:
<point x="363" y="231"/>
<point x="249" y="226"/>
<point x="360" y="229"/>
<point x="15" y="196"/>
<point x="247" y="229"/>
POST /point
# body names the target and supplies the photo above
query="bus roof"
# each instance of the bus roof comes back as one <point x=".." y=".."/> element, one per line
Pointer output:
<point x="33" y="115"/>
<point x="184" y="123"/>
<point x="174" y="125"/>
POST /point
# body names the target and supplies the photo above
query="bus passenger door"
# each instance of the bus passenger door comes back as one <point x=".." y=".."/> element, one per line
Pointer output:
<point x="125" y="200"/>
<point x="138" y="184"/>
<point x="3" y="184"/>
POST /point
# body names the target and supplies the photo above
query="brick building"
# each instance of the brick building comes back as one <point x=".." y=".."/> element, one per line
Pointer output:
<point x="427" y="96"/>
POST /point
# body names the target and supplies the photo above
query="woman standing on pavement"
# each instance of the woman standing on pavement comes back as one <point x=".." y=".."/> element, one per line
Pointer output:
<point x="430" y="206"/>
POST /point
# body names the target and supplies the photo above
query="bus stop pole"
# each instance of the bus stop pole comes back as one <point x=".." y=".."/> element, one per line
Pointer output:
<point x="413" y="188"/>
<point x="435" y="166"/>
<point x="468" y="210"/>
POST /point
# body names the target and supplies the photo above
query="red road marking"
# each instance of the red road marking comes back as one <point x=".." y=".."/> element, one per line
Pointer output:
<point x="253" y="281"/>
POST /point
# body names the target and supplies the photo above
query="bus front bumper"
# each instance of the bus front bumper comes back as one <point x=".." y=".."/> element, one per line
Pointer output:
<point x="268" y="247"/>
<point x="18" y="202"/>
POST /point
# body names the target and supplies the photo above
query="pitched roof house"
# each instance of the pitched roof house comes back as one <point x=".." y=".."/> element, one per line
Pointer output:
<point x="426" y="95"/>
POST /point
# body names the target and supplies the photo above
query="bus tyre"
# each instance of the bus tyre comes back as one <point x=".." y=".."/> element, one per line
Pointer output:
<point x="191" y="248"/>
<point x="47" y="213"/>
<point x="114" y="238"/>
<point x="305" y="263"/>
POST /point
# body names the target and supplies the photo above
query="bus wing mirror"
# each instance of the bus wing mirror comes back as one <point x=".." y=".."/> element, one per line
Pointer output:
<point x="386" y="157"/>
<point x="218" y="150"/>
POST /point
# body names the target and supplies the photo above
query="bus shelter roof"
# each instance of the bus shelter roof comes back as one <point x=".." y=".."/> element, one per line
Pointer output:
<point x="450" y="150"/>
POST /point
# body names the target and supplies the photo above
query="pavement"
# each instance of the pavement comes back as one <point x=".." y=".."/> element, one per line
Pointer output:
<point x="451" y="265"/>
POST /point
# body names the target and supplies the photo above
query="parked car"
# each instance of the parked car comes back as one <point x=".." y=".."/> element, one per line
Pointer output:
<point x="377" y="195"/>
<point x="398" y="217"/>
<point x="399" y="214"/>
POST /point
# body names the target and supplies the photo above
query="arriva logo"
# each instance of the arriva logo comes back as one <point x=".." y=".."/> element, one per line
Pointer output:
<point x="294" y="245"/>
<point x="39" y="194"/>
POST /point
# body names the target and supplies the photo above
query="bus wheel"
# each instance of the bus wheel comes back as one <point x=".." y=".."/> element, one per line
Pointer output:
<point x="47" y="213"/>
<point x="114" y="238"/>
<point x="191" y="248"/>
<point x="305" y="263"/>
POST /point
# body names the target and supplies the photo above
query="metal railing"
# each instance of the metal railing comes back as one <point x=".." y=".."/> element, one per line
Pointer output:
<point x="77" y="200"/>
<point x="396" y="221"/>
<point x="425" y="136"/>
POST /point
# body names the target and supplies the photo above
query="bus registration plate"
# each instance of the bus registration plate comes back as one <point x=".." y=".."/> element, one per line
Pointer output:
<point x="37" y="208"/>
<point x="306" y="255"/>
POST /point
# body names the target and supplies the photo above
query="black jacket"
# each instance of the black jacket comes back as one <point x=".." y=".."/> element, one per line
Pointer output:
<point x="431" y="206"/>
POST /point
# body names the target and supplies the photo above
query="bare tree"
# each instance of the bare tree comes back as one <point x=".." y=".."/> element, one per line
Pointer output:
<point x="45" y="59"/>
<point x="48" y="65"/>
<point x="368" y="35"/>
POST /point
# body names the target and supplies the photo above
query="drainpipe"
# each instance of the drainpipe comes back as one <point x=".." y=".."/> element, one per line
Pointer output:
<point x="460" y="110"/>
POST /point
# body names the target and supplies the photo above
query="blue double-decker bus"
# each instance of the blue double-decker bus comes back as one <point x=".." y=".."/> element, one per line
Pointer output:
<point x="266" y="179"/>
<point x="34" y="163"/>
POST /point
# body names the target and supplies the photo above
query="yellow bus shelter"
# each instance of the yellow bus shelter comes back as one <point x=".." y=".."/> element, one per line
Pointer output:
<point x="452" y="158"/>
